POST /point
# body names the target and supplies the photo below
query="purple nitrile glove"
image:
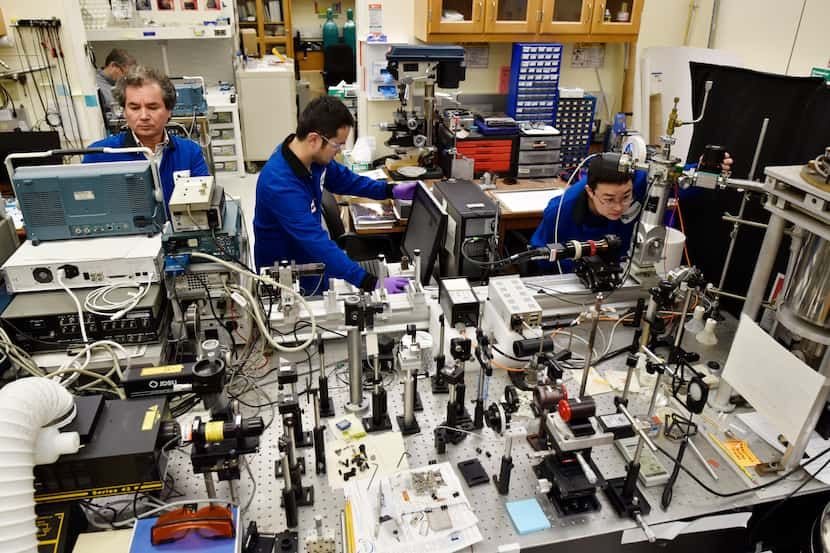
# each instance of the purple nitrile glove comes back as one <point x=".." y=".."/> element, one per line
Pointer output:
<point x="404" y="191"/>
<point x="394" y="285"/>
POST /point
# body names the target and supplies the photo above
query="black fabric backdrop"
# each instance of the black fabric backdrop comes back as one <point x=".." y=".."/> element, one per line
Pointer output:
<point x="799" y="129"/>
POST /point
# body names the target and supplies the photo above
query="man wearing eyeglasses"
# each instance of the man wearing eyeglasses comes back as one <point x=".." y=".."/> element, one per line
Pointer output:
<point x="117" y="64"/>
<point x="287" y="217"/>
<point x="606" y="201"/>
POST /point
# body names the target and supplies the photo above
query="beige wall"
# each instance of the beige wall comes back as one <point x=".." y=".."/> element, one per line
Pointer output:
<point x="764" y="32"/>
<point x="81" y="73"/>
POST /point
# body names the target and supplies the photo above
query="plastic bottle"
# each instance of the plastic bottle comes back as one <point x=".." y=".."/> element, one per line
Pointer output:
<point x="350" y="30"/>
<point x="331" y="35"/>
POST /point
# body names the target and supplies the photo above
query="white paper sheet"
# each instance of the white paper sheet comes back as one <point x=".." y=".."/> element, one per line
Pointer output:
<point x="527" y="201"/>
<point x="777" y="384"/>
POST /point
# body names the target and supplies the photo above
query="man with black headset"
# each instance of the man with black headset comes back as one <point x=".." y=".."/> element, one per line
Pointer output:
<point x="605" y="201"/>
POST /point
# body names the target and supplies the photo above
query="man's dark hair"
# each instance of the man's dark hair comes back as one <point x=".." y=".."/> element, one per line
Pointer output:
<point x="605" y="168"/>
<point x="324" y="115"/>
<point x="141" y="75"/>
<point x="119" y="57"/>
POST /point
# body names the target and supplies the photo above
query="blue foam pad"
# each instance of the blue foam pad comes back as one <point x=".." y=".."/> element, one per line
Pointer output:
<point x="527" y="516"/>
<point x="191" y="543"/>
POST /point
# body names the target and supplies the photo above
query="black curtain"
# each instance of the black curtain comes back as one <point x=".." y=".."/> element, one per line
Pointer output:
<point x="798" y="130"/>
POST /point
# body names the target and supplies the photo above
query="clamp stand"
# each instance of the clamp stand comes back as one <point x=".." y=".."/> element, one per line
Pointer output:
<point x="289" y="403"/>
<point x="379" y="420"/>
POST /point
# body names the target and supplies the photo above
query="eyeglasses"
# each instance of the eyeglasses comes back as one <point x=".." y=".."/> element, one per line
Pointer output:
<point x="331" y="143"/>
<point x="625" y="202"/>
<point x="212" y="522"/>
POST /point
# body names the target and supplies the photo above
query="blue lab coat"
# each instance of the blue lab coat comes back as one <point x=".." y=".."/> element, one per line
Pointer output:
<point x="577" y="222"/>
<point x="180" y="154"/>
<point x="288" y="219"/>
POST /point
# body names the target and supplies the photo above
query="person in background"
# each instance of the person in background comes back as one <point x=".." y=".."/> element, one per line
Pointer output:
<point x="118" y="62"/>
<point x="287" y="216"/>
<point x="605" y="201"/>
<point x="148" y="96"/>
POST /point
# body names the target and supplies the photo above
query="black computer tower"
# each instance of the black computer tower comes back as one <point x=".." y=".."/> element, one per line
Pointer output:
<point x="472" y="214"/>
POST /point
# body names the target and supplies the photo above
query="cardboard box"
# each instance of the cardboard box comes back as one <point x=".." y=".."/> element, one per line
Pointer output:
<point x="249" y="43"/>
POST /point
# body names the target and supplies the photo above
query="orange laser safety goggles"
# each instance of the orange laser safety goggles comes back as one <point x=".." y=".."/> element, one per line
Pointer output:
<point x="212" y="522"/>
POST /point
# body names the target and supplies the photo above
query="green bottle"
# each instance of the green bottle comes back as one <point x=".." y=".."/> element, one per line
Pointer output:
<point x="331" y="35"/>
<point x="350" y="30"/>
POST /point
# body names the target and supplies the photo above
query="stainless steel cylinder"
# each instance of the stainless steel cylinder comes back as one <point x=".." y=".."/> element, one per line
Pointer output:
<point x="355" y="366"/>
<point x="210" y="488"/>
<point x="290" y="445"/>
<point x="508" y="446"/>
<point x="808" y="293"/>
<point x="416" y="263"/>
<point x="409" y="397"/>
<point x="316" y="411"/>
<point x="429" y="112"/>
<point x="286" y="473"/>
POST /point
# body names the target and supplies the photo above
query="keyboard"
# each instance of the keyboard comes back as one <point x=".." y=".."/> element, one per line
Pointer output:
<point x="374" y="267"/>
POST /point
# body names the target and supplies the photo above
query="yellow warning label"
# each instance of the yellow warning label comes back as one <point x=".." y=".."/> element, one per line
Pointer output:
<point x="165" y="369"/>
<point x="150" y="418"/>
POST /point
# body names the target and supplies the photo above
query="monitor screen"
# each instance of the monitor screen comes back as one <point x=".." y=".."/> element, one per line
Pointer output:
<point x="17" y="142"/>
<point x="425" y="230"/>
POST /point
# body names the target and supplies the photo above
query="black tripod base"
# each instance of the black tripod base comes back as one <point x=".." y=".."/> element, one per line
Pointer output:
<point x="385" y="423"/>
<point x="278" y="467"/>
<point x="414" y="428"/>
<point x="626" y="507"/>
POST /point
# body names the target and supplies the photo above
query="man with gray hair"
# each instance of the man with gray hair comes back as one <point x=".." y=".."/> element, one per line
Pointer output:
<point x="148" y="97"/>
<point x="118" y="62"/>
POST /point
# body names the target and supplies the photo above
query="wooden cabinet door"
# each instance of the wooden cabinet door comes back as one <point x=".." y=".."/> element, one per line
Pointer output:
<point x="567" y="16"/>
<point x="617" y="17"/>
<point x="456" y="16"/>
<point x="511" y="16"/>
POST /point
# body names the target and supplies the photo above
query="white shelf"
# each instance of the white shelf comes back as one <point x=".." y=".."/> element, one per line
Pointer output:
<point x="114" y="34"/>
<point x="221" y="125"/>
<point x="224" y="158"/>
<point x="222" y="141"/>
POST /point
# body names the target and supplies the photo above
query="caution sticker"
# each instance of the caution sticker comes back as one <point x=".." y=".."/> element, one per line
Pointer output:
<point x="740" y="452"/>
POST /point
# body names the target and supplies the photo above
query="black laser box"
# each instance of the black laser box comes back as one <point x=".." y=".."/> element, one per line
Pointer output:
<point x="120" y="457"/>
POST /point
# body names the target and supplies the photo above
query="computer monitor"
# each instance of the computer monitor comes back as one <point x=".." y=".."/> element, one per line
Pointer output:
<point x="425" y="230"/>
<point x="16" y="142"/>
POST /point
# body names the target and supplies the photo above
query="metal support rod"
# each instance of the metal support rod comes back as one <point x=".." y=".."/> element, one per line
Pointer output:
<point x="624" y="410"/>
<point x="678" y="337"/>
<point x="591" y="338"/>
<point x="409" y="397"/>
<point x="733" y="236"/>
<point x="702" y="459"/>
<point x="429" y="112"/>
<point x="355" y="367"/>
<point x="590" y="475"/>
<point x="764" y="266"/>
<point x="416" y="263"/>
<point x="738" y="221"/>
<point x="651" y="313"/>
<point x="209" y="485"/>
<point x="290" y="444"/>
<point x="232" y="489"/>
